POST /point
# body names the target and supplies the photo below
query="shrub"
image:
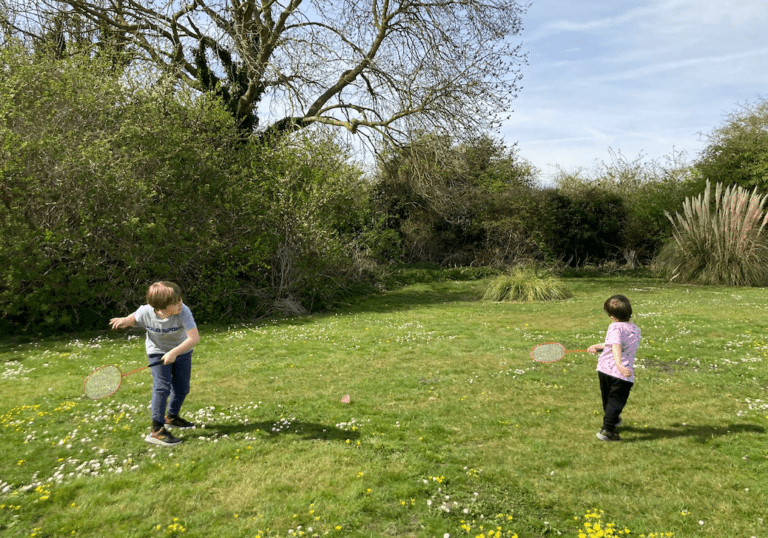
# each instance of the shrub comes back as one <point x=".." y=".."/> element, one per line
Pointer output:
<point x="720" y="241"/>
<point x="473" y="203"/>
<point x="526" y="284"/>
<point x="107" y="185"/>
<point x="646" y="189"/>
<point x="737" y="151"/>
<point x="585" y="225"/>
<point x="318" y="217"/>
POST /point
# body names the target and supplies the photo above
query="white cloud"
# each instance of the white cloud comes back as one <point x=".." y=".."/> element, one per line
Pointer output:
<point x="638" y="76"/>
<point x="708" y="62"/>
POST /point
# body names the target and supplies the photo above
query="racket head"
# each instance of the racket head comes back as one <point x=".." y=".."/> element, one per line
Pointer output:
<point x="548" y="352"/>
<point x="102" y="382"/>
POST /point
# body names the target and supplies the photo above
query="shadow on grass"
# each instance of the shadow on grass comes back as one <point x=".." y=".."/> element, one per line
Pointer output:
<point x="275" y="429"/>
<point x="427" y="295"/>
<point x="700" y="433"/>
<point x="431" y="295"/>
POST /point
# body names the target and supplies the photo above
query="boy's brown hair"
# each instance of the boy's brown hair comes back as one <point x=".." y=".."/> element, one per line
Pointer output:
<point x="618" y="306"/>
<point x="161" y="295"/>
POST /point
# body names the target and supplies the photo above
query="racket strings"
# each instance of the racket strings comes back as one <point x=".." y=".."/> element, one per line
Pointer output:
<point x="548" y="352"/>
<point x="102" y="382"/>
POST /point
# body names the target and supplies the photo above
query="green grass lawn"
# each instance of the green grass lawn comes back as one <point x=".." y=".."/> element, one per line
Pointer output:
<point x="452" y="429"/>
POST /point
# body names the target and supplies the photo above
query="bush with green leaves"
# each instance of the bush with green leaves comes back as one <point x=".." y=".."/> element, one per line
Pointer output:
<point x="526" y="283"/>
<point x="319" y="217"/>
<point x="107" y="184"/>
<point x="471" y="203"/>
<point x="646" y="190"/>
<point x="585" y="226"/>
<point x="720" y="241"/>
<point x="737" y="151"/>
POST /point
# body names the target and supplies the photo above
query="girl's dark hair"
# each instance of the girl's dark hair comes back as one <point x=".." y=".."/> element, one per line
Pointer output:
<point x="618" y="306"/>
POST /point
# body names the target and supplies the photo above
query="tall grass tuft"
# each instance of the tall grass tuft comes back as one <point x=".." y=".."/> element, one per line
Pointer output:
<point x="720" y="243"/>
<point x="526" y="284"/>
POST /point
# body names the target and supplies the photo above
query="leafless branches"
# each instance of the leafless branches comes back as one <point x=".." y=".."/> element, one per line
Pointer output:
<point x="385" y="67"/>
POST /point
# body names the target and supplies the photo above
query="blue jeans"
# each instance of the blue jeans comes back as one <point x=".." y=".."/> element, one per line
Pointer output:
<point x="170" y="380"/>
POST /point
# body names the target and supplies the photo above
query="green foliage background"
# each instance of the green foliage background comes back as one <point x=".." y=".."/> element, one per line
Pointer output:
<point x="111" y="179"/>
<point x="737" y="150"/>
<point x="474" y="203"/>
<point x="108" y="185"/>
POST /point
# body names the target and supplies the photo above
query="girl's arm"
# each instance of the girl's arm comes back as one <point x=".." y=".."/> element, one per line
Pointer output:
<point x="596" y="348"/>
<point x="123" y="323"/>
<point x="616" y="348"/>
<point x="193" y="337"/>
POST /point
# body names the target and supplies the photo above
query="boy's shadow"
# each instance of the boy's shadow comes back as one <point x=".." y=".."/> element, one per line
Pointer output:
<point x="274" y="429"/>
<point x="700" y="433"/>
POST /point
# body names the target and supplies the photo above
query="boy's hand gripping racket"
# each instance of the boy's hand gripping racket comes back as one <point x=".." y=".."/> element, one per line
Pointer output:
<point x="104" y="382"/>
<point x="552" y="352"/>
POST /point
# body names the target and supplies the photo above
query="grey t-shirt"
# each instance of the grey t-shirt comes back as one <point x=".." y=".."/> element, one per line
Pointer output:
<point x="164" y="334"/>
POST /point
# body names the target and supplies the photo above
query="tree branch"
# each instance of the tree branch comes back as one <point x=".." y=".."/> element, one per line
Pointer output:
<point x="382" y="65"/>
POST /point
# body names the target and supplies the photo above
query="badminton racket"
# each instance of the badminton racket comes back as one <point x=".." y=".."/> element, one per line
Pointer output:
<point x="552" y="352"/>
<point x="104" y="382"/>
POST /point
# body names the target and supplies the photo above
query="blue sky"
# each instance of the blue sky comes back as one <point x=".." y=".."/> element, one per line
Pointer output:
<point x="640" y="77"/>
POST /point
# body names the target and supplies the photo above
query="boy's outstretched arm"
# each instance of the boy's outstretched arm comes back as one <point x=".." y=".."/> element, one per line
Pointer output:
<point x="123" y="323"/>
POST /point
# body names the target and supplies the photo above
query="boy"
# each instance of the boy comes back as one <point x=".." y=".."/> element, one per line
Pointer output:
<point x="171" y="335"/>
<point x="616" y="363"/>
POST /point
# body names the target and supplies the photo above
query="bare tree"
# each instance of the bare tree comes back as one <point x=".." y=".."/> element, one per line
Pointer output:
<point x="381" y="68"/>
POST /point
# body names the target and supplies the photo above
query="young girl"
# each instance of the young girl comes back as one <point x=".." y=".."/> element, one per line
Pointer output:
<point x="615" y="366"/>
<point x="171" y="335"/>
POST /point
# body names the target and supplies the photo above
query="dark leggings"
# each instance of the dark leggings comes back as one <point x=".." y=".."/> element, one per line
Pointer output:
<point x="615" y="393"/>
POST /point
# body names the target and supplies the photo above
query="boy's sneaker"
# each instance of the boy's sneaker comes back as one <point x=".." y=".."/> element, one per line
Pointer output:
<point x="178" y="422"/>
<point x="162" y="437"/>
<point x="620" y="422"/>
<point x="605" y="435"/>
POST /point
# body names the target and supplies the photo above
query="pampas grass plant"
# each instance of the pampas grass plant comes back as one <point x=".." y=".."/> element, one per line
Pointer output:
<point x="720" y="243"/>
<point x="526" y="284"/>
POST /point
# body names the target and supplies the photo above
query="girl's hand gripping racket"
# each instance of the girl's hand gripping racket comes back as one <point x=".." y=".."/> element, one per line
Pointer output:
<point x="104" y="382"/>
<point x="552" y="352"/>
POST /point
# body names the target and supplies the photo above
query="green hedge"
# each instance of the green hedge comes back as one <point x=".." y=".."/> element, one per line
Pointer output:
<point x="107" y="186"/>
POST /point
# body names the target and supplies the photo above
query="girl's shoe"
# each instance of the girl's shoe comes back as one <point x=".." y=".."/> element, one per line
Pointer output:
<point x="162" y="437"/>
<point x="605" y="435"/>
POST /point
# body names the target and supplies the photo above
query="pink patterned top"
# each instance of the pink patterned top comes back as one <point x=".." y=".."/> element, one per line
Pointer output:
<point x="628" y="335"/>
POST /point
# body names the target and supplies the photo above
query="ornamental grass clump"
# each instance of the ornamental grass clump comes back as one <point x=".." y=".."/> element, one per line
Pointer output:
<point x="720" y="242"/>
<point x="526" y="284"/>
